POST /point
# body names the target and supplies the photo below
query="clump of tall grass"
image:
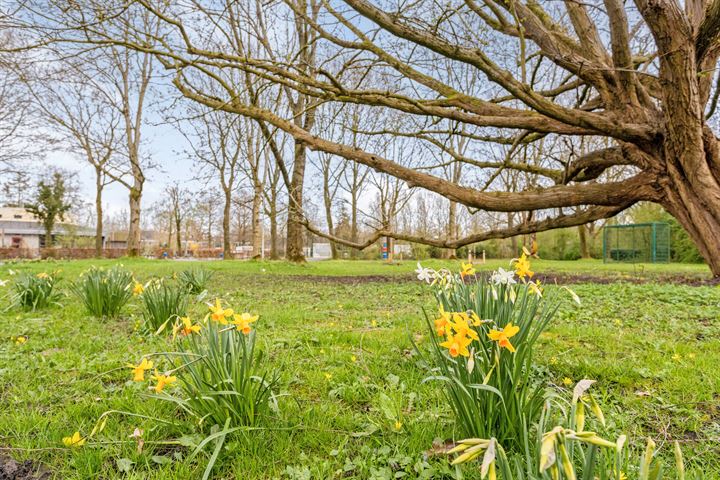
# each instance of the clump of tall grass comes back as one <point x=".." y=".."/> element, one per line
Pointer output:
<point x="163" y="303"/>
<point x="32" y="292"/>
<point x="104" y="292"/>
<point x="195" y="280"/>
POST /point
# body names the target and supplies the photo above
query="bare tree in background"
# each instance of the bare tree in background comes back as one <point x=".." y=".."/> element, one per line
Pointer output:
<point x="88" y="124"/>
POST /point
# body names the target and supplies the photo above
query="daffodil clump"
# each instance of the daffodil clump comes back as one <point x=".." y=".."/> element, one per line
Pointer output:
<point x="483" y="338"/>
<point x="215" y="373"/>
<point x="104" y="292"/>
<point x="33" y="292"/>
<point x="163" y="303"/>
<point x="567" y="451"/>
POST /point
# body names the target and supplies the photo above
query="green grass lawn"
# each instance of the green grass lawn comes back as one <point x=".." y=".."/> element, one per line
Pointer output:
<point x="654" y="349"/>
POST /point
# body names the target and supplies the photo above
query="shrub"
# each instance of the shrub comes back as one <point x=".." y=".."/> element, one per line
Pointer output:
<point x="104" y="292"/>
<point x="35" y="291"/>
<point x="195" y="280"/>
<point x="163" y="303"/>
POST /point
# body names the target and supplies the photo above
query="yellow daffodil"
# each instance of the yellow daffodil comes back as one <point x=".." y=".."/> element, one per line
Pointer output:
<point x="461" y="327"/>
<point x="466" y="269"/>
<point x="442" y="322"/>
<point x="163" y="380"/>
<point x="139" y="370"/>
<point x="42" y="275"/>
<point x="503" y="336"/>
<point x="457" y="345"/>
<point x="74" y="441"/>
<point x="242" y="322"/>
<point x="476" y="321"/>
<point x="522" y="267"/>
<point x="138" y="288"/>
<point x="185" y="327"/>
<point x="220" y="314"/>
<point x="535" y="288"/>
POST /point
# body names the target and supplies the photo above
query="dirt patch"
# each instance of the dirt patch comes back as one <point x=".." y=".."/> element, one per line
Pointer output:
<point x="27" y="470"/>
<point x="547" y="278"/>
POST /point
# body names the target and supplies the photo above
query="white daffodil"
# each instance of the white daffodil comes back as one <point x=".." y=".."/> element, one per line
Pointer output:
<point x="503" y="277"/>
<point x="426" y="275"/>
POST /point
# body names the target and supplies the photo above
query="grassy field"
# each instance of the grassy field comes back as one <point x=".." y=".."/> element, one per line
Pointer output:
<point x="341" y="343"/>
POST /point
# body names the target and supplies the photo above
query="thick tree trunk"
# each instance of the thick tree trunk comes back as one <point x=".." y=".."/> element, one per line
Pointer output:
<point x="295" y="228"/>
<point x="697" y="219"/>
<point x="134" y="234"/>
<point x="98" y="213"/>
<point x="256" y="224"/>
<point x="227" y="251"/>
<point x="584" y="247"/>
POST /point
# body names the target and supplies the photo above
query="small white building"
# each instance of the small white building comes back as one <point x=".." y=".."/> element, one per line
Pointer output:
<point x="19" y="228"/>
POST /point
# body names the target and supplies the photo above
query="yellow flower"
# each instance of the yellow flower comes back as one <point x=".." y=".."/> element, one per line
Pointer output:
<point x="138" y="289"/>
<point x="442" y="322"/>
<point x="20" y="339"/>
<point x="353" y="358"/>
<point x="75" y="441"/>
<point x="676" y="357"/>
<point x="328" y="376"/>
<point x="374" y="323"/>
<point x="398" y="425"/>
<point x="139" y="370"/>
<point x="461" y="327"/>
<point x="466" y="269"/>
<point x="475" y="319"/>
<point x="553" y="360"/>
<point x="567" y="381"/>
<point x="42" y="275"/>
<point x="522" y="267"/>
<point x="186" y="327"/>
<point x="503" y="336"/>
<point x="220" y="314"/>
<point x="457" y="345"/>
<point x="691" y="355"/>
<point x="163" y="380"/>
<point x="242" y="322"/>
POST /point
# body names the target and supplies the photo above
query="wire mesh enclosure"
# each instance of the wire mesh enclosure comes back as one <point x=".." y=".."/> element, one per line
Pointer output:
<point x="637" y="243"/>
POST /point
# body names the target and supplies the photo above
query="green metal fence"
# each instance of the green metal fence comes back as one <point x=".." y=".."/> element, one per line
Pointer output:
<point x="637" y="243"/>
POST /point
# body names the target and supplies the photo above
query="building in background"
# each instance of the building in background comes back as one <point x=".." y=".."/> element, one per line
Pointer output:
<point x="21" y="229"/>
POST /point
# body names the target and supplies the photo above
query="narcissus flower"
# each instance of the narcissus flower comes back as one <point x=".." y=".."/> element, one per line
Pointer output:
<point x="503" y="335"/>
<point x="242" y="322"/>
<point x="139" y="370"/>
<point x="502" y="277"/>
<point x="442" y="322"/>
<point x="186" y="327"/>
<point x="74" y="441"/>
<point x="220" y="314"/>
<point x="522" y="267"/>
<point x="163" y="380"/>
<point x="457" y="345"/>
<point x="461" y="327"/>
<point x="138" y="288"/>
<point x="466" y="269"/>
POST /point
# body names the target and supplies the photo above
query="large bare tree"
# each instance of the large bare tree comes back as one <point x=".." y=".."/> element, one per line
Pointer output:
<point x="638" y="74"/>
